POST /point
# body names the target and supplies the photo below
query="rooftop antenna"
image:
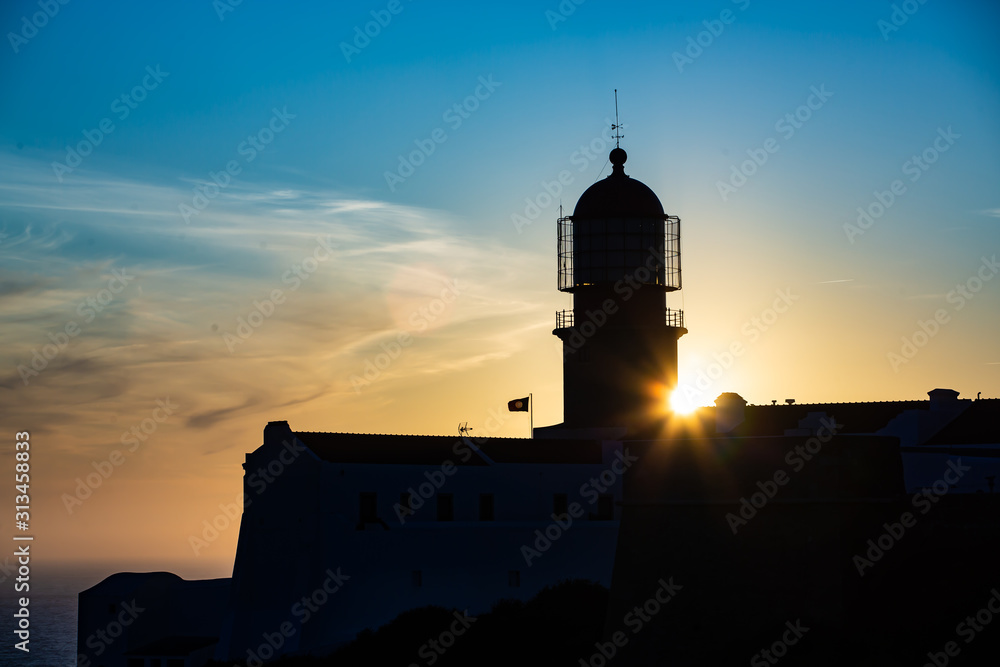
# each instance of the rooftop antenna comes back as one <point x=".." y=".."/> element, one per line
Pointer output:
<point x="617" y="127"/>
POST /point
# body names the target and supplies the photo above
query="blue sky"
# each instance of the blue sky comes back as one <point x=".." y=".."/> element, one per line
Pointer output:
<point x="329" y="127"/>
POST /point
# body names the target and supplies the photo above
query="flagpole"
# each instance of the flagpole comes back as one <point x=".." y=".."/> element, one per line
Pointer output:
<point x="531" y="416"/>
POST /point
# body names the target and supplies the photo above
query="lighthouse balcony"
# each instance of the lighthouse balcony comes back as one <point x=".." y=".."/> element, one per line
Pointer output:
<point x="674" y="318"/>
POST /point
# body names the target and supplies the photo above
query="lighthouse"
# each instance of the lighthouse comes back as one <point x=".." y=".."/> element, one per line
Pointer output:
<point x="618" y="256"/>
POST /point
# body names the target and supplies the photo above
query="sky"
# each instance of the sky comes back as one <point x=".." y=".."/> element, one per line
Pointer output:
<point x="218" y="214"/>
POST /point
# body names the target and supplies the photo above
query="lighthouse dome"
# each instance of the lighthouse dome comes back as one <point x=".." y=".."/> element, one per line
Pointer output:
<point x="618" y="195"/>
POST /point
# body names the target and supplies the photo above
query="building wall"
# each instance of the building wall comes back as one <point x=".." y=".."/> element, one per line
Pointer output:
<point x="129" y="610"/>
<point x="305" y="527"/>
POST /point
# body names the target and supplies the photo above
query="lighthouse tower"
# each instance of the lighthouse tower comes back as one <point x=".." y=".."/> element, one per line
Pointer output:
<point x="619" y="256"/>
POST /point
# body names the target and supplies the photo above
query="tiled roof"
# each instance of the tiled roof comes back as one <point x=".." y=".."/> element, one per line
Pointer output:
<point x="978" y="425"/>
<point x="435" y="449"/>
<point x="853" y="417"/>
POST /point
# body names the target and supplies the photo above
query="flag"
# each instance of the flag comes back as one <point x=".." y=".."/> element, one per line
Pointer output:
<point x="518" y="405"/>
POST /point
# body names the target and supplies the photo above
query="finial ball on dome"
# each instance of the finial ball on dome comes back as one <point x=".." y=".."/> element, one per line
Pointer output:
<point x="618" y="156"/>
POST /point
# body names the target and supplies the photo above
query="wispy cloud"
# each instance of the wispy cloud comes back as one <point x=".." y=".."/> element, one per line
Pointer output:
<point x="163" y="332"/>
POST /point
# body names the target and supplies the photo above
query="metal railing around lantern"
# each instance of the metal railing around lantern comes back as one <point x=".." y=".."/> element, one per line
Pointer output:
<point x="564" y="319"/>
<point x="674" y="318"/>
<point x="596" y="251"/>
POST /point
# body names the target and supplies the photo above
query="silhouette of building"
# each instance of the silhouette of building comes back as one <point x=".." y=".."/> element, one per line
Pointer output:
<point x="136" y="619"/>
<point x="755" y="512"/>
<point x="619" y="255"/>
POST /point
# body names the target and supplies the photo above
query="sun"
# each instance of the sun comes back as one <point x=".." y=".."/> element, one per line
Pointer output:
<point x="681" y="404"/>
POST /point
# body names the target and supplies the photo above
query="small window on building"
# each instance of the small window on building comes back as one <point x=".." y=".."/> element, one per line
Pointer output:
<point x="418" y="578"/>
<point x="514" y="579"/>
<point x="155" y="662"/>
<point x="560" y="504"/>
<point x="175" y="662"/>
<point x="605" y="507"/>
<point x="368" y="503"/>
<point x="445" y="507"/>
<point x="486" y="507"/>
<point x="404" y="503"/>
<point x="136" y="662"/>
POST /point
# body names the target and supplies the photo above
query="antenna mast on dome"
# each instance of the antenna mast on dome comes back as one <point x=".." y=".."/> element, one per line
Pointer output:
<point x="616" y="127"/>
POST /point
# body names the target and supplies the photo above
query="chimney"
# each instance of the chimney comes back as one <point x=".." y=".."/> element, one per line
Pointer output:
<point x="729" y="412"/>
<point x="276" y="432"/>
<point x="942" y="399"/>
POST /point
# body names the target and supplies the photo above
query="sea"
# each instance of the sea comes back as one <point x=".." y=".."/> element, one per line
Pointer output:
<point x="52" y="640"/>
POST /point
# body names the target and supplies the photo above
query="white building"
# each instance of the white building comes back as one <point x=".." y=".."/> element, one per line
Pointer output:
<point x="367" y="526"/>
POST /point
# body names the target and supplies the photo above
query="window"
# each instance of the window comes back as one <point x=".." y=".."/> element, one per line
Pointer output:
<point x="605" y="507"/>
<point x="486" y="507"/>
<point x="368" y="503"/>
<point x="136" y="662"/>
<point x="445" y="507"/>
<point x="560" y="504"/>
<point x="417" y="578"/>
<point x="514" y="579"/>
<point x="155" y="662"/>
<point x="404" y="502"/>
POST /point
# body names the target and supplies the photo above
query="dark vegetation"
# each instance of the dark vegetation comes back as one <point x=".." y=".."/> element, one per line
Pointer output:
<point x="556" y="627"/>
